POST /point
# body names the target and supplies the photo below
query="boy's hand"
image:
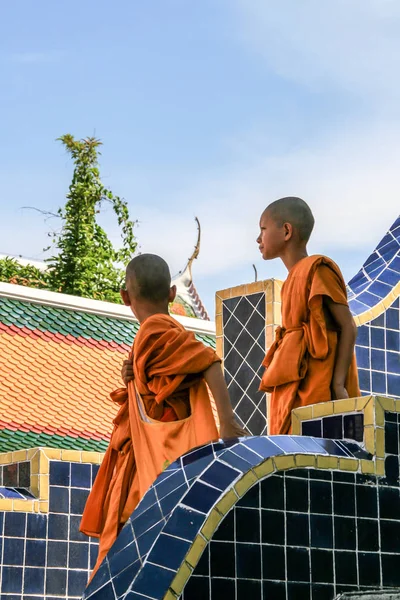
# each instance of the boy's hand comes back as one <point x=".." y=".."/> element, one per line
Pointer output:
<point x="231" y="429"/>
<point x="127" y="371"/>
<point x="339" y="392"/>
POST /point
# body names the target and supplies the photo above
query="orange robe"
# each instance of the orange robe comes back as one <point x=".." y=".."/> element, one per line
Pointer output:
<point x="300" y="362"/>
<point x="164" y="413"/>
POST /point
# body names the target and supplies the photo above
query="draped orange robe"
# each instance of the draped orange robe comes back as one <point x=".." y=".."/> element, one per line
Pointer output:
<point x="168" y="365"/>
<point x="300" y="363"/>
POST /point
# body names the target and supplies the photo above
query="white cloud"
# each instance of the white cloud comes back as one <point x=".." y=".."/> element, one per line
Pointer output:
<point x="353" y="44"/>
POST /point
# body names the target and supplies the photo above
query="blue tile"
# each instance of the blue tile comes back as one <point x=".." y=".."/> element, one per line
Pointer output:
<point x="393" y="385"/>
<point x="263" y="446"/>
<point x="201" y="497"/>
<point x="363" y="335"/>
<point x="390" y="277"/>
<point x="393" y="362"/>
<point x="395" y="266"/>
<point x="35" y="553"/>
<point x="78" y="501"/>
<point x="93" y="553"/>
<point x="312" y="428"/>
<point x="125" y="538"/>
<point x="377" y="360"/>
<point x="392" y="340"/>
<point x="78" y="555"/>
<point x="143" y="522"/>
<point x="362" y="355"/>
<point x="169" y="484"/>
<point x="120" y="561"/>
<point x="385" y="240"/>
<point x="56" y="582"/>
<point x="331" y="447"/>
<point x="11" y="580"/>
<point x="36" y="526"/>
<point x="153" y="581"/>
<point x="15" y="524"/>
<point x="77" y="581"/>
<point x="146" y="540"/>
<point x="101" y="577"/>
<point x="389" y="251"/>
<point x="184" y="523"/>
<point x="378" y="383"/>
<point x="74" y="534"/>
<point x="220" y="475"/>
<point x="124" y="579"/>
<point x="373" y="258"/>
<point x="57" y="554"/>
<point x="13" y="551"/>
<point x="368" y="299"/>
<point x="287" y="443"/>
<point x="235" y="461"/>
<point x="106" y="593"/>
<point x="392" y="318"/>
<point x="60" y="473"/>
<point x="95" y="470"/>
<point x="380" y="289"/>
<point x="58" y="527"/>
<point x="195" y="455"/>
<point x="168" y="551"/>
<point x="364" y="378"/>
<point x="379" y="321"/>
<point x="357" y="307"/>
<point x="33" y="581"/>
<point x="148" y="500"/>
<point x="310" y="444"/>
<point x="193" y="469"/>
<point x="81" y="475"/>
<point x="169" y="502"/>
<point x="59" y="500"/>
<point x="377" y="338"/>
<point x="248" y="455"/>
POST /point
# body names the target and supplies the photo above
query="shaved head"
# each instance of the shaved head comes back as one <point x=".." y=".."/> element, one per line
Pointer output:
<point x="294" y="211"/>
<point x="148" y="277"/>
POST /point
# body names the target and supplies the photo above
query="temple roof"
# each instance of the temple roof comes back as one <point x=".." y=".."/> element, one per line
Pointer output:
<point x="60" y="357"/>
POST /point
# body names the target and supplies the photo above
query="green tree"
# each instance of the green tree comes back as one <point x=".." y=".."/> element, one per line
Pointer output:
<point x="85" y="262"/>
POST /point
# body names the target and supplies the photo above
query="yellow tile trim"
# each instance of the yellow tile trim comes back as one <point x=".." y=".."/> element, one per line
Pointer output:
<point x="387" y="403"/>
<point x="367" y="466"/>
<point x="196" y="550"/>
<point x="296" y="424"/>
<point x="170" y="595"/>
<point x="380" y="307"/>
<point x="349" y="464"/>
<point x="245" y="483"/>
<point x="327" y="462"/>
<point x="181" y="578"/>
<point x="211" y="524"/>
<point x="284" y="463"/>
<point x="264" y="468"/>
<point x="225" y="504"/>
<point x="344" y="406"/>
<point x="305" y="413"/>
<point x="305" y="460"/>
<point x="322" y="409"/>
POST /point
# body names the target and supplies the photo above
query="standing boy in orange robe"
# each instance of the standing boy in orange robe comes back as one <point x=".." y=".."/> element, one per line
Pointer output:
<point x="165" y="408"/>
<point x="312" y="359"/>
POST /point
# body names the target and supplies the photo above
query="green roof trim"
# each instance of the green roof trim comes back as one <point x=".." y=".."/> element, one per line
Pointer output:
<point x="71" y="322"/>
<point x="19" y="440"/>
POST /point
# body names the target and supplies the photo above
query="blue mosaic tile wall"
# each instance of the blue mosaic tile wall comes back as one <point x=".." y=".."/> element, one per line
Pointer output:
<point x="153" y="544"/>
<point x="44" y="556"/>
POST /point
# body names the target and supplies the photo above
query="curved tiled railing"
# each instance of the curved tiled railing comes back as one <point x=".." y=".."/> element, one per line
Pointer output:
<point x="159" y="548"/>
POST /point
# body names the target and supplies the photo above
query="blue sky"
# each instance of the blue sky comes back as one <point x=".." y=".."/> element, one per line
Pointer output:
<point x="210" y="109"/>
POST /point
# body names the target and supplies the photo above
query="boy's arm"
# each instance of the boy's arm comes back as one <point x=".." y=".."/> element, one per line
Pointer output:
<point x="127" y="371"/>
<point x="229" y="427"/>
<point x="345" y="349"/>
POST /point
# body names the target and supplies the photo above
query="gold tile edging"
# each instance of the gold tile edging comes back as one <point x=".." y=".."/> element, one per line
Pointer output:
<point x="39" y="459"/>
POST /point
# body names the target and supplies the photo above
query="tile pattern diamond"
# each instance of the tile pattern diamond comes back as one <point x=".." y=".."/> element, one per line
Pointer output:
<point x="244" y="350"/>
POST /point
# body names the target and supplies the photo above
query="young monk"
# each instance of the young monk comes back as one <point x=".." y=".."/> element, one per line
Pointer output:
<point x="165" y="408"/>
<point x="312" y="359"/>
